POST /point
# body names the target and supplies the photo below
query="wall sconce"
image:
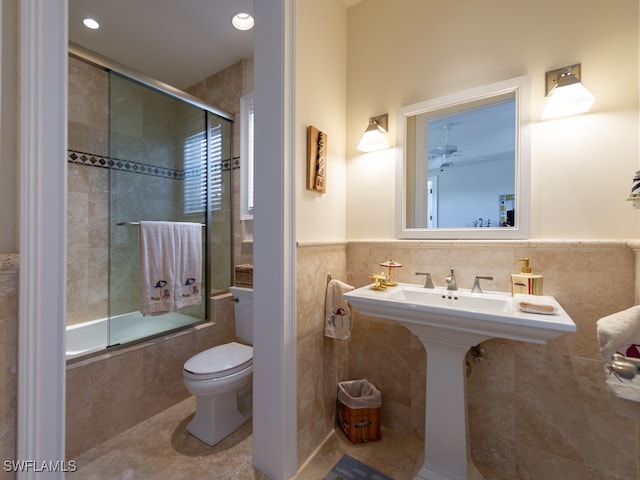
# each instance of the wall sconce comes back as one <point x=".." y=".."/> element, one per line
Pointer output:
<point x="565" y="93"/>
<point x="373" y="137"/>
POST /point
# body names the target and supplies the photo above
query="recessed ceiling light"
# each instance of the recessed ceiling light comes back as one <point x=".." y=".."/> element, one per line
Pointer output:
<point x="91" y="23"/>
<point x="242" y="21"/>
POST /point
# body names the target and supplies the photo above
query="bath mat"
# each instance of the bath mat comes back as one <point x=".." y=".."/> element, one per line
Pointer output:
<point x="348" y="468"/>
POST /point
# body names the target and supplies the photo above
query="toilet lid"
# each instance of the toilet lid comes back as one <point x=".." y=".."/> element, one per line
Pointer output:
<point x="221" y="360"/>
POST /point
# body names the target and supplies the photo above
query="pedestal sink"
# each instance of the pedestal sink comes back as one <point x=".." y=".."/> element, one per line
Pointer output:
<point x="448" y="323"/>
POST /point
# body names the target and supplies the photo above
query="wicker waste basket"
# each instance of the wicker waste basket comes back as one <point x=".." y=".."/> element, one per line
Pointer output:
<point x="359" y="403"/>
<point x="244" y="276"/>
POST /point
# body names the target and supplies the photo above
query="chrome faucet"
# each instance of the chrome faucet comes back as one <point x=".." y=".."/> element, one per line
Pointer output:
<point x="451" y="281"/>
<point x="476" y="283"/>
<point x="428" y="283"/>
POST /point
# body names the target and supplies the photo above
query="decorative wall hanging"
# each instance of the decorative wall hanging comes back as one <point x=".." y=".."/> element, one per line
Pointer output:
<point x="316" y="160"/>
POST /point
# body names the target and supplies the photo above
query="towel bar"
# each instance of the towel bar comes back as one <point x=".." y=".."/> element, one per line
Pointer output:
<point x="137" y="224"/>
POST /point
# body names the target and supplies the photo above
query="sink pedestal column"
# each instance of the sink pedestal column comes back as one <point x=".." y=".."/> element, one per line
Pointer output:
<point x="446" y="451"/>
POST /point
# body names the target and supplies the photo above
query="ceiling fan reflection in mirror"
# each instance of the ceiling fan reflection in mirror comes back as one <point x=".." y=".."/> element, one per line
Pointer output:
<point x="440" y="157"/>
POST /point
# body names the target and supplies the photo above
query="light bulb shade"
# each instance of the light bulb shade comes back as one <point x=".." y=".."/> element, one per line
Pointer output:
<point x="373" y="138"/>
<point x="566" y="95"/>
<point x="568" y="100"/>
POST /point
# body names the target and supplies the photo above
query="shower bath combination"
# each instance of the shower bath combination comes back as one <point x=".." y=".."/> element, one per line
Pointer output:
<point x="168" y="158"/>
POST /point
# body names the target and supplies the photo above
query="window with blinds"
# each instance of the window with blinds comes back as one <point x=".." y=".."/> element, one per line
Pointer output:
<point x="195" y="171"/>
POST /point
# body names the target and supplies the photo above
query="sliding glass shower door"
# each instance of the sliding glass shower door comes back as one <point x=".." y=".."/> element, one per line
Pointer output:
<point x="167" y="165"/>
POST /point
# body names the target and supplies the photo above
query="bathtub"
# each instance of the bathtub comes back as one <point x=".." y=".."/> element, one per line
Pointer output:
<point x="93" y="336"/>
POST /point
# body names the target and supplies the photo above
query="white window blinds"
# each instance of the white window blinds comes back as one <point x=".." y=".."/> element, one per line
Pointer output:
<point x="195" y="171"/>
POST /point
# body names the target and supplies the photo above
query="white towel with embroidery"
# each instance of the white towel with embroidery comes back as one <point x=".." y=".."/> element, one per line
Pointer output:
<point x="157" y="267"/>
<point x="616" y="334"/>
<point x="188" y="266"/>
<point x="338" y="315"/>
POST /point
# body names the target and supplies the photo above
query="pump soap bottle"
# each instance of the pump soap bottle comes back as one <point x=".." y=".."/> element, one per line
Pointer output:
<point x="525" y="281"/>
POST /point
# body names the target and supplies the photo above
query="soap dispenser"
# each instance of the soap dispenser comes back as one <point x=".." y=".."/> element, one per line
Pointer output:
<point x="525" y="281"/>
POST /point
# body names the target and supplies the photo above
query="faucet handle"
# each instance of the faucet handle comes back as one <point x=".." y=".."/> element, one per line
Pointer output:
<point x="452" y="284"/>
<point x="476" y="283"/>
<point x="428" y="283"/>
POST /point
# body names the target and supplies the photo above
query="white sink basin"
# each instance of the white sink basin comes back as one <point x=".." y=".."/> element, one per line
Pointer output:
<point x="448" y="323"/>
<point x="488" y="314"/>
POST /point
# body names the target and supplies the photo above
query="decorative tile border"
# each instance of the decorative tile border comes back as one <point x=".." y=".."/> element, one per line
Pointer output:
<point x="92" y="160"/>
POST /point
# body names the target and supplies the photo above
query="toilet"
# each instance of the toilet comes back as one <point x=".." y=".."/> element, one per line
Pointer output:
<point x="220" y="378"/>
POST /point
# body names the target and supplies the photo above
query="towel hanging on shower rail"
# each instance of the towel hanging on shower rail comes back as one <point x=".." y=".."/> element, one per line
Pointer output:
<point x="188" y="239"/>
<point x="170" y="266"/>
<point x="157" y="268"/>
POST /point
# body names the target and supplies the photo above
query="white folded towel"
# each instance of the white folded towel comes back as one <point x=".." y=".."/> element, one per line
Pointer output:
<point x="615" y="333"/>
<point x="157" y="268"/>
<point x="188" y="266"/>
<point x="338" y="315"/>
<point x="540" y="304"/>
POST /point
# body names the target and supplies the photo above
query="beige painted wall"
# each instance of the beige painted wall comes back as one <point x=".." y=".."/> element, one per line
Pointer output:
<point x="321" y="89"/>
<point x="407" y="51"/>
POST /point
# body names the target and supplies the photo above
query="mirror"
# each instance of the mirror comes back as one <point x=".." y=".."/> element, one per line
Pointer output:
<point x="464" y="164"/>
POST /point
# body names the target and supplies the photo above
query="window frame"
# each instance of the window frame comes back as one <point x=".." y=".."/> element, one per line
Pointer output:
<point x="246" y="156"/>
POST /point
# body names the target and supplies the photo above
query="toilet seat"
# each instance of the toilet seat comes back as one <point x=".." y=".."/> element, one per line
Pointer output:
<point x="218" y="362"/>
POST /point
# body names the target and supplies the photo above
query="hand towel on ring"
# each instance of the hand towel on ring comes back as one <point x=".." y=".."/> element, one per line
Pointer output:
<point x="338" y="319"/>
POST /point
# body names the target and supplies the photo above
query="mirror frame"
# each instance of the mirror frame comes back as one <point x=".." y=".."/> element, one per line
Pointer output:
<point x="521" y="87"/>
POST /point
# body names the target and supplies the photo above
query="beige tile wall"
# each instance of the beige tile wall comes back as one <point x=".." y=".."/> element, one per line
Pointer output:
<point x="112" y="392"/>
<point x="88" y="195"/>
<point x="224" y="90"/>
<point x="535" y="411"/>
<point x="9" y="264"/>
<point x="322" y="361"/>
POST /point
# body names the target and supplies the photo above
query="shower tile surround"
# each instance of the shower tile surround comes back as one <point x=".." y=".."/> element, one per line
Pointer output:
<point x="535" y="411"/>
<point x="89" y="164"/>
<point x="88" y="194"/>
<point x="224" y="89"/>
<point x="101" y="400"/>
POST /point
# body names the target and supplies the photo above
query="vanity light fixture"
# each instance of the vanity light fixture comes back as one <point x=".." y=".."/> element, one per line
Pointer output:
<point x="566" y="95"/>
<point x="91" y="23"/>
<point x="242" y="21"/>
<point x="373" y="138"/>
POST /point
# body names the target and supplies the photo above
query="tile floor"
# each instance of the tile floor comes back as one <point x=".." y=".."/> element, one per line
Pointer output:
<point x="161" y="448"/>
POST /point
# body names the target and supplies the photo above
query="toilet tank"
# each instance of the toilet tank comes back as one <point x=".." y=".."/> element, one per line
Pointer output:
<point x="243" y="312"/>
